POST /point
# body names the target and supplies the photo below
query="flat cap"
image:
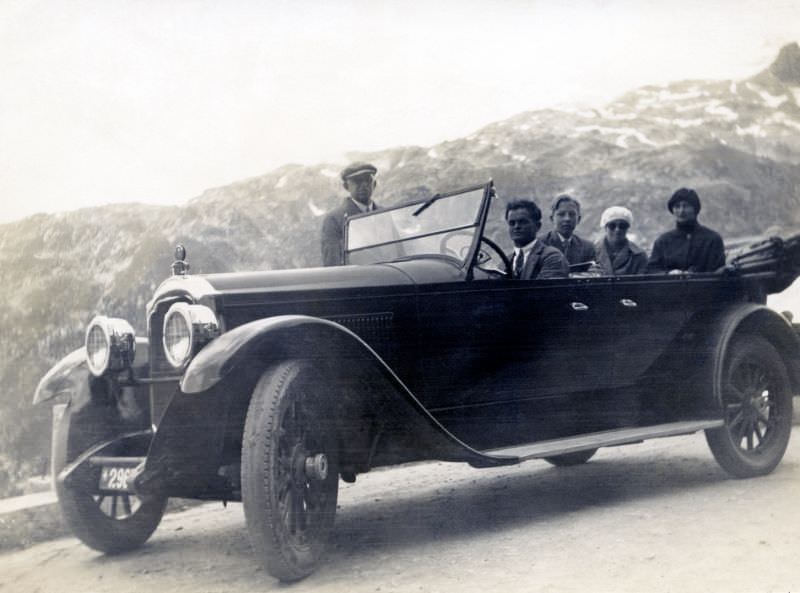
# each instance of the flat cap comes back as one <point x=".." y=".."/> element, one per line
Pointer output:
<point x="356" y="169"/>
<point x="685" y="194"/>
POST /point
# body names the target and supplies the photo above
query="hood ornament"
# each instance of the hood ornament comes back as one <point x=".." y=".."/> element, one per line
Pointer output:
<point x="179" y="266"/>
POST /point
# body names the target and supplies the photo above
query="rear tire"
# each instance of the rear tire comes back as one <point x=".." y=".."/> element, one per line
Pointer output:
<point x="569" y="459"/>
<point x="757" y="406"/>
<point x="289" y="510"/>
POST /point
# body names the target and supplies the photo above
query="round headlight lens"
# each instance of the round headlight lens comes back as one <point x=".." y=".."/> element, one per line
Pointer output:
<point x="186" y="329"/>
<point x="177" y="337"/>
<point x="110" y="344"/>
<point x="96" y="349"/>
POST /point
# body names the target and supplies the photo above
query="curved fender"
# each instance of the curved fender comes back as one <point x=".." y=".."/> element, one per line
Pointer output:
<point x="64" y="378"/>
<point x="298" y="335"/>
<point x="773" y="326"/>
<point x="712" y="338"/>
<point x="68" y="376"/>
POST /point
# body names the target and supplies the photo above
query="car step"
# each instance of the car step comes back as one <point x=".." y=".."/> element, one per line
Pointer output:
<point x="606" y="438"/>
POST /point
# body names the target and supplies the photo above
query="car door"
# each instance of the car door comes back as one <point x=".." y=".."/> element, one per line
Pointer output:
<point x="502" y="360"/>
<point x="650" y="313"/>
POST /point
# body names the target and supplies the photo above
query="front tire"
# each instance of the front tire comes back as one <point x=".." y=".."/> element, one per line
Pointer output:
<point x="110" y="523"/>
<point x="290" y="475"/>
<point x="757" y="403"/>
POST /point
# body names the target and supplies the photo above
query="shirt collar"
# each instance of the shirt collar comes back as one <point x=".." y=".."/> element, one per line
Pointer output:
<point x="525" y="248"/>
<point x="563" y="238"/>
<point x="368" y="208"/>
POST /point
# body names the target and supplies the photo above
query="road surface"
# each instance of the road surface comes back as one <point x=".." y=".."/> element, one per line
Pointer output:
<point x="658" y="516"/>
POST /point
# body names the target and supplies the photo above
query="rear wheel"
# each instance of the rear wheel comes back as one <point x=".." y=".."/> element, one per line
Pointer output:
<point x="290" y="475"/>
<point x="567" y="459"/>
<point x="757" y="403"/>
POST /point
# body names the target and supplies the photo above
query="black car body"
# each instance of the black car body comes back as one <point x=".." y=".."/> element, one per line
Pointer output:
<point x="267" y="387"/>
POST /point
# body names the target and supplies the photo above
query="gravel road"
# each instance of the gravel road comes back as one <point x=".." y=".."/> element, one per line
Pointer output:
<point x="658" y="516"/>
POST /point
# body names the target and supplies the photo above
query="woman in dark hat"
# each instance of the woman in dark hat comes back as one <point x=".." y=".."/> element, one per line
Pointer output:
<point x="689" y="247"/>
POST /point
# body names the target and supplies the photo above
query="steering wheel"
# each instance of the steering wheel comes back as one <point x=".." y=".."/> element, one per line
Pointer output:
<point x="485" y="257"/>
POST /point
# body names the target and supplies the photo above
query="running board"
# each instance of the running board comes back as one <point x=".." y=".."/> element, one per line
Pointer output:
<point x="606" y="438"/>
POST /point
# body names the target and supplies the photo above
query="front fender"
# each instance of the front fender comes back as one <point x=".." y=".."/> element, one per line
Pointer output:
<point x="69" y="376"/>
<point x="268" y="340"/>
<point x="64" y="378"/>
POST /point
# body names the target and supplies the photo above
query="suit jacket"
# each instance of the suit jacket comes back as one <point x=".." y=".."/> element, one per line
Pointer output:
<point x="333" y="232"/>
<point x="579" y="251"/>
<point x="629" y="260"/>
<point x="543" y="262"/>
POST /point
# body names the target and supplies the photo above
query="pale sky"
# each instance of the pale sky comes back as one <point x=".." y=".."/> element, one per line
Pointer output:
<point x="156" y="100"/>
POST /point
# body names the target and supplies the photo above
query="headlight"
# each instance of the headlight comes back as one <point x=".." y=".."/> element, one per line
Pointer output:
<point x="187" y="328"/>
<point x="110" y="344"/>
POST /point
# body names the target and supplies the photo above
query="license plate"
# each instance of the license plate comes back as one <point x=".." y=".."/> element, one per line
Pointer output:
<point x="116" y="478"/>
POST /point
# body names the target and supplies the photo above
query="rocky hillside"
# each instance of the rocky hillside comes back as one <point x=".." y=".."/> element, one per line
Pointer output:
<point x="736" y="142"/>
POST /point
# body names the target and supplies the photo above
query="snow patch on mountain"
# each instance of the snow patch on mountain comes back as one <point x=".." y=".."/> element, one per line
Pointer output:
<point x="622" y="134"/>
<point x="751" y="130"/>
<point x="717" y="108"/>
<point x="770" y="100"/>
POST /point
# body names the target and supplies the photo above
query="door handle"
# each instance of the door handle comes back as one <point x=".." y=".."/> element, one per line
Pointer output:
<point x="576" y="306"/>
<point x="629" y="303"/>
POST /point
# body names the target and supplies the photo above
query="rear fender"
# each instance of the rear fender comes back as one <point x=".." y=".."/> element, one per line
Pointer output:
<point x="762" y="321"/>
<point x="713" y="338"/>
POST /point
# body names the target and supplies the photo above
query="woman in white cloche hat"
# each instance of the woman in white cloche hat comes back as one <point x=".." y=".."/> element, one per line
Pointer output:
<point x="616" y="255"/>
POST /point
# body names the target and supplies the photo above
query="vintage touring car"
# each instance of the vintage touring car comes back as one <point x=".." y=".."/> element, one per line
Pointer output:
<point x="268" y="387"/>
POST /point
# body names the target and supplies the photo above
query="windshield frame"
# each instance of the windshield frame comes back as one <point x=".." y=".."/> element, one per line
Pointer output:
<point x="478" y="224"/>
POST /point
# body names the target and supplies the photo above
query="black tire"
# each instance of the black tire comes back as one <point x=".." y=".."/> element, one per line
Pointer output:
<point x="289" y="513"/>
<point x="111" y="523"/>
<point x="568" y="459"/>
<point x="757" y="405"/>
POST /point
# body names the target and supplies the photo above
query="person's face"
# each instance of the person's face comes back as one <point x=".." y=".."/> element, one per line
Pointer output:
<point x="616" y="231"/>
<point x="521" y="227"/>
<point x="684" y="211"/>
<point x="566" y="218"/>
<point x="360" y="187"/>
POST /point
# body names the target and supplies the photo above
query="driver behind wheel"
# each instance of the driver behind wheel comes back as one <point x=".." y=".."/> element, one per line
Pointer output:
<point x="531" y="259"/>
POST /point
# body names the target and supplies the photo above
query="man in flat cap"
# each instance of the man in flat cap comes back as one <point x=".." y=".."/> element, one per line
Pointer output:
<point x="689" y="247"/>
<point x="359" y="180"/>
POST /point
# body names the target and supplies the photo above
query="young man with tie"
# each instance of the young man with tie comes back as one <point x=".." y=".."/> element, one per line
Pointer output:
<point x="531" y="257"/>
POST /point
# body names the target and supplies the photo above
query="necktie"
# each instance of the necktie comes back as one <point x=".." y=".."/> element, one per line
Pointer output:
<point x="519" y="262"/>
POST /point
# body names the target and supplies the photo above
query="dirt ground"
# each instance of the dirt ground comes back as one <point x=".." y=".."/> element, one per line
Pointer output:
<point x="659" y="516"/>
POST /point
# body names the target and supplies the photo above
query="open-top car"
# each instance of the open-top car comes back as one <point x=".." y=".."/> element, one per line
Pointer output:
<point x="268" y="387"/>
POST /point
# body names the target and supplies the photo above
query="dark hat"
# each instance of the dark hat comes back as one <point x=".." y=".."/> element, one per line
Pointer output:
<point x="356" y="169"/>
<point x="684" y="194"/>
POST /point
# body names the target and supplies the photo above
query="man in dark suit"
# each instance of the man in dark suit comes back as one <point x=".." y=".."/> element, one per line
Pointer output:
<point x="359" y="180"/>
<point x="565" y="215"/>
<point x="531" y="258"/>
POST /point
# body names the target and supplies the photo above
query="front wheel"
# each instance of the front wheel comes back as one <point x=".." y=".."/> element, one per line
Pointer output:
<point x="113" y="522"/>
<point x="757" y="403"/>
<point x="290" y="475"/>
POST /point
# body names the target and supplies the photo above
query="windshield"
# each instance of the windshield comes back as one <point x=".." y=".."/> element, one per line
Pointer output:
<point x="445" y="226"/>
